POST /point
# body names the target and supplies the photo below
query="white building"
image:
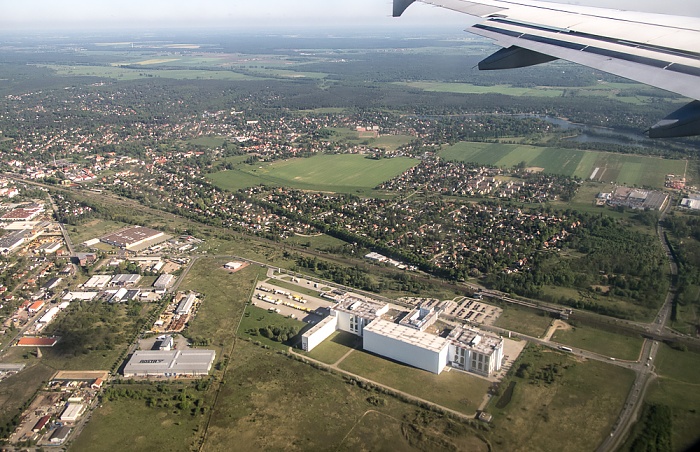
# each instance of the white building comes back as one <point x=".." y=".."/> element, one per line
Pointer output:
<point x="49" y="315"/>
<point x="164" y="281"/>
<point x="186" y="304"/>
<point x="174" y="363"/>
<point x="475" y="351"/>
<point x="319" y="333"/>
<point x="72" y="412"/>
<point x="355" y="313"/>
<point x="407" y="345"/>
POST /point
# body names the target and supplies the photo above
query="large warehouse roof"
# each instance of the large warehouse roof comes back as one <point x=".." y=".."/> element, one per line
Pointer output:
<point x="130" y="237"/>
<point x="408" y="335"/>
<point x="169" y="363"/>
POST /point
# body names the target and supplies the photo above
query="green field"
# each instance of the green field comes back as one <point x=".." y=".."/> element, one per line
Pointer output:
<point x="455" y="390"/>
<point x="524" y="321"/>
<point x="618" y="168"/>
<point x="345" y="173"/>
<point x="121" y="73"/>
<point x="614" y="91"/>
<point x="574" y="412"/>
<point x="147" y="428"/>
<point x="467" y="88"/>
<point x="271" y="402"/>
<point x="601" y="341"/>
<point x="677" y="386"/>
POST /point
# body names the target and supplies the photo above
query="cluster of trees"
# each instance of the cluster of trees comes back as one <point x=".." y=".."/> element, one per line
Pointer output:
<point x="654" y="430"/>
<point x="619" y="261"/>
<point x="279" y="333"/>
<point x="347" y="276"/>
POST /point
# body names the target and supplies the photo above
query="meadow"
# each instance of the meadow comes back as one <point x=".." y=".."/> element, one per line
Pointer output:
<point x="348" y="173"/>
<point x="600" y="341"/>
<point x="558" y="414"/>
<point x="617" y="168"/>
<point x="677" y="386"/>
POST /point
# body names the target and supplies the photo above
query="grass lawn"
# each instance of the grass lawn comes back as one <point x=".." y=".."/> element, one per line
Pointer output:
<point x="523" y="320"/>
<point x="333" y="348"/>
<point x="617" y="168"/>
<point x="601" y="341"/>
<point x="147" y="428"/>
<point x="677" y="387"/>
<point x="573" y="413"/>
<point x="335" y="173"/>
<point x="456" y="390"/>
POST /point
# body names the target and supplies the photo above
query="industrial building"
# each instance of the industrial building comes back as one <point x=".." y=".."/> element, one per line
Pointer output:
<point x="407" y="345"/>
<point x="173" y="363"/>
<point x="26" y="213"/>
<point x="72" y="412"/>
<point x="164" y="281"/>
<point x="49" y="315"/>
<point x="124" y="280"/>
<point x="186" y="304"/>
<point x="15" y="239"/>
<point x="98" y="281"/>
<point x="60" y="435"/>
<point x="37" y="342"/>
<point x="133" y="237"/>
<point x="407" y="340"/>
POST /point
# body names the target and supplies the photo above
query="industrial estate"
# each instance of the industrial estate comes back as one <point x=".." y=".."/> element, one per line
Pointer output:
<point x="275" y="243"/>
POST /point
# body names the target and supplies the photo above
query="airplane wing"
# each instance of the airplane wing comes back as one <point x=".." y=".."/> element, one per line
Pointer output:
<point x="655" y="49"/>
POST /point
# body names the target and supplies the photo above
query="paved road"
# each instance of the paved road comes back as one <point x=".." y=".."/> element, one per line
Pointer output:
<point x="645" y="368"/>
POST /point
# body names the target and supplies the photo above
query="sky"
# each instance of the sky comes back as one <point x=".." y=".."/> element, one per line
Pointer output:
<point x="108" y="14"/>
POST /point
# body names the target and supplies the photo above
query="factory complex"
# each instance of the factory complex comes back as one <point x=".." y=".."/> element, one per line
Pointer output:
<point x="410" y="337"/>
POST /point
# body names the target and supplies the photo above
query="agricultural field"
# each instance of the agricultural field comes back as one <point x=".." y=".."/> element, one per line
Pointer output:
<point x="334" y="173"/>
<point x="127" y="74"/>
<point x="617" y="168"/>
<point x="550" y="406"/>
<point x="467" y="88"/>
<point x="623" y="92"/>
<point x="676" y="386"/>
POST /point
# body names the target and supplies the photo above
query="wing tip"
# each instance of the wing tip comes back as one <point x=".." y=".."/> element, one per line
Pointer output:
<point x="400" y="6"/>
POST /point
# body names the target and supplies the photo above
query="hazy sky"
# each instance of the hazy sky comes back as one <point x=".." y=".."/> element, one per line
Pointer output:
<point x="96" y="14"/>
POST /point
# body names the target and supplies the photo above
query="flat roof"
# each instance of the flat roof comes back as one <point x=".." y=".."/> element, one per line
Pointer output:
<point x="37" y="342"/>
<point x="87" y="375"/>
<point x="194" y="361"/>
<point x="361" y="307"/>
<point x="129" y="236"/>
<point x="408" y="335"/>
<point x="482" y="342"/>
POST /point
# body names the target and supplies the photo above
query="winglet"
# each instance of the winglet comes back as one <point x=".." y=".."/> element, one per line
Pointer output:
<point x="400" y="6"/>
<point x="684" y="122"/>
